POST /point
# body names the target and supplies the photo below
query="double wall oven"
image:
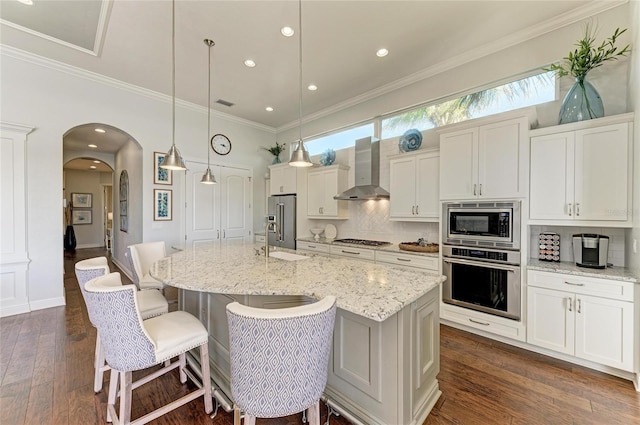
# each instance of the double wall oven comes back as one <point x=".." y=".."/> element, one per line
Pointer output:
<point x="481" y="256"/>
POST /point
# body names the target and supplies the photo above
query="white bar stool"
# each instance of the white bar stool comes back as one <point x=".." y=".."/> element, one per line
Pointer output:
<point x="151" y="304"/>
<point x="142" y="256"/>
<point x="130" y="344"/>
<point x="279" y="359"/>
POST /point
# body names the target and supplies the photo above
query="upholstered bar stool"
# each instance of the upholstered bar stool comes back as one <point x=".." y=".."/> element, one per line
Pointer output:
<point x="130" y="344"/>
<point x="142" y="256"/>
<point x="279" y="359"/>
<point x="151" y="304"/>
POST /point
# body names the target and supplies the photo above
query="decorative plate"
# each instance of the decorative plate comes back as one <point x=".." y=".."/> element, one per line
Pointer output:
<point x="327" y="157"/>
<point x="330" y="231"/>
<point x="410" y="140"/>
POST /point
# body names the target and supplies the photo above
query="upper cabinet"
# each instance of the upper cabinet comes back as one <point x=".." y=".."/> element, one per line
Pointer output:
<point x="283" y="179"/>
<point x="485" y="161"/>
<point x="413" y="184"/>
<point x="581" y="173"/>
<point x="323" y="184"/>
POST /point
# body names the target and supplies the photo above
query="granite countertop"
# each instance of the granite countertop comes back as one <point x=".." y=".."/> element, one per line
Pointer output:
<point x="614" y="273"/>
<point x="392" y="248"/>
<point x="374" y="291"/>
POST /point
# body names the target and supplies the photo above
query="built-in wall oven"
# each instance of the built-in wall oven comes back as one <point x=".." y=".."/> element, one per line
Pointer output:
<point x="481" y="257"/>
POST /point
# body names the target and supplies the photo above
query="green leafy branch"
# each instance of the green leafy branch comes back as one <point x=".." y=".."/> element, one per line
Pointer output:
<point x="276" y="150"/>
<point x="587" y="57"/>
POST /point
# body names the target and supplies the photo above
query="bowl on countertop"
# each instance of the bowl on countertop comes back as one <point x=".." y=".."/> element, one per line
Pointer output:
<point x="316" y="231"/>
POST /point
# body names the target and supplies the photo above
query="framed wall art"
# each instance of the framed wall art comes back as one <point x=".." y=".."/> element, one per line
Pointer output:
<point x="161" y="175"/>
<point x="162" y="205"/>
<point x="81" y="217"/>
<point x="124" y="205"/>
<point x="81" y="200"/>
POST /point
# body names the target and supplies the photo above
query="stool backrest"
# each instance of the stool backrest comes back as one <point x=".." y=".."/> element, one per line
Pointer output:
<point x="126" y="345"/>
<point x="89" y="269"/>
<point x="143" y="255"/>
<point x="279" y="358"/>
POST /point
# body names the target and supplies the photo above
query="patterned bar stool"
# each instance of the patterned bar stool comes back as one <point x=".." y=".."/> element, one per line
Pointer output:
<point x="279" y="359"/>
<point x="142" y="256"/>
<point x="151" y="304"/>
<point x="131" y="344"/>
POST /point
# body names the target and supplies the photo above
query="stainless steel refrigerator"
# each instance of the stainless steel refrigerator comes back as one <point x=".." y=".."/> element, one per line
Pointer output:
<point x="284" y="209"/>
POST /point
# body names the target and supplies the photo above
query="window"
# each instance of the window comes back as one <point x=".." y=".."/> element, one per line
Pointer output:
<point x="528" y="91"/>
<point x="340" y="140"/>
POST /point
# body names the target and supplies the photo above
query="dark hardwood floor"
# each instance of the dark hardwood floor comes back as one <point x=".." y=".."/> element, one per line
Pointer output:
<point x="46" y="377"/>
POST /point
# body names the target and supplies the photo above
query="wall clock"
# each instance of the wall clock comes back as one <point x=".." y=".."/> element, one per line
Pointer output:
<point x="221" y="144"/>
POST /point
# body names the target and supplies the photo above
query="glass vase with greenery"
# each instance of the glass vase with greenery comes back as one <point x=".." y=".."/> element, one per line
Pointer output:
<point x="583" y="101"/>
<point x="276" y="151"/>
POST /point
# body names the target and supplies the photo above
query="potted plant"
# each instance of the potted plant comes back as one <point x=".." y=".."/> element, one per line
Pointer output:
<point x="583" y="102"/>
<point x="276" y="151"/>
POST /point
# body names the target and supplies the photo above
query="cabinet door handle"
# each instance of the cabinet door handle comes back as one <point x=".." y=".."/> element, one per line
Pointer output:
<point x="413" y="210"/>
<point x="224" y="234"/>
<point x="480" y="189"/>
<point x="570" y="301"/>
<point x="577" y="209"/>
<point x="417" y="209"/>
<point x="579" y="305"/>
<point x="474" y="194"/>
<point x="479" y="323"/>
<point x="574" y="284"/>
<point x="281" y="189"/>
<point x="403" y="259"/>
<point x="218" y="237"/>
<point x="350" y="252"/>
<point x="569" y="207"/>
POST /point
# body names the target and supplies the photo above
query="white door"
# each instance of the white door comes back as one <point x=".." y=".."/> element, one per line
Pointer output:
<point x="551" y="319"/>
<point x="428" y="185"/>
<point x="459" y="164"/>
<point x="236" y="193"/>
<point x="202" y="206"/>
<point x="552" y="176"/>
<point x="601" y="175"/>
<point x="402" y="186"/>
<point x="604" y="331"/>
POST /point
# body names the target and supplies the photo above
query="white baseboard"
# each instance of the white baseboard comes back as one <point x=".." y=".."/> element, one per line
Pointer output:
<point x="47" y="303"/>
<point x="122" y="268"/>
<point x="91" y="245"/>
<point x="14" y="309"/>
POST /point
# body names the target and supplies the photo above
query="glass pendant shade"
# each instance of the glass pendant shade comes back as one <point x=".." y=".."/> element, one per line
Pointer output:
<point x="208" y="177"/>
<point x="300" y="156"/>
<point x="173" y="160"/>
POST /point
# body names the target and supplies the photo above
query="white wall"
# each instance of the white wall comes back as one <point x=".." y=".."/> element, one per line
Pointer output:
<point x="77" y="181"/>
<point x="55" y="98"/>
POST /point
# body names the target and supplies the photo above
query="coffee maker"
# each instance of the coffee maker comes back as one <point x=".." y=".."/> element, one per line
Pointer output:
<point x="591" y="250"/>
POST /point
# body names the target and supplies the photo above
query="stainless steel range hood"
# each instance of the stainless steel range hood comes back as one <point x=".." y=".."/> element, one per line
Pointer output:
<point x="367" y="172"/>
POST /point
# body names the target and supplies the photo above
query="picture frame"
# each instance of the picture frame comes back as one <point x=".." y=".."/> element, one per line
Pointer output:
<point x="161" y="175"/>
<point x="162" y="205"/>
<point x="123" y="208"/>
<point x="82" y="200"/>
<point x="80" y="217"/>
<point x="124" y="205"/>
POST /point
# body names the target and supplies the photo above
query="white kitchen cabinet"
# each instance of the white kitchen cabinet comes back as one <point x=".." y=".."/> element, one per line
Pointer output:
<point x="323" y="184"/>
<point x="283" y="179"/>
<point x="589" y="318"/>
<point x="318" y="248"/>
<point x="414" y="187"/>
<point x="582" y="176"/>
<point x="353" y="252"/>
<point x="486" y="161"/>
<point x="407" y="260"/>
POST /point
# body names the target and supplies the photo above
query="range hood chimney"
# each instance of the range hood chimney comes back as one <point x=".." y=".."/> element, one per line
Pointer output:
<point x="367" y="173"/>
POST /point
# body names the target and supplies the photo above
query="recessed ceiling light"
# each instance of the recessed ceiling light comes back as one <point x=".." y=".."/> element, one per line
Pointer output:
<point x="93" y="167"/>
<point x="312" y="87"/>
<point x="287" y="31"/>
<point x="382" y="53"/>
<point x="249" y="63"/>
<point x="92" y="146"/>
<point x="96" y="162"/>
<point x="99" y="130"/>
<point x="27" y="2"/>
<point x="269" y="108"/>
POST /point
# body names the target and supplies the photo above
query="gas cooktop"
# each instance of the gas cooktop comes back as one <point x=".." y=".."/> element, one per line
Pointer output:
<point x="362" y="242"/>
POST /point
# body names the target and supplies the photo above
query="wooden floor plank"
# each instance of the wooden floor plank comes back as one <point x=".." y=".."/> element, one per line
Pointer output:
<point x="40" y="405"/>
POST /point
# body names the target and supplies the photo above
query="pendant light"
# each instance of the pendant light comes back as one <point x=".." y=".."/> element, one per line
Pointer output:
<point x="173" y="160"/>
<point x="300" y="156"/>
<point x="208" y="177"/>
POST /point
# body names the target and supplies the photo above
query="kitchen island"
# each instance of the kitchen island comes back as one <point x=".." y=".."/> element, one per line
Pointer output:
<point x="385" y="354"/>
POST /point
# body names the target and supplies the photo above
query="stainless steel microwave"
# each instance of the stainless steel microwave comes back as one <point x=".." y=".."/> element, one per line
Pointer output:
<point x="488" y="224"/>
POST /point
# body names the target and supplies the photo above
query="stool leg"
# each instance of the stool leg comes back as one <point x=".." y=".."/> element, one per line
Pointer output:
<point x="313" y="413"/>
<point x="236" y="415"/>
<point x="98" y="366"/>
<point x="125" y="398"/>
<point x="249" y="419"/>
<point x="206" y="377"/>
<point x="113" y="392"/>
<point x="182" y="358"/>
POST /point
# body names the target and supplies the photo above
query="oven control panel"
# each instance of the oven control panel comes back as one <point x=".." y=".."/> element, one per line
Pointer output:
<point x="490" y="255"/>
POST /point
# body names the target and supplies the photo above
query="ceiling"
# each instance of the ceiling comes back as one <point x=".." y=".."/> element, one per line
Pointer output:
<point x="131" y="41"/>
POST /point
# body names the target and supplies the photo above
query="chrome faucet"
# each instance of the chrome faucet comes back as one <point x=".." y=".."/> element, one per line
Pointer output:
<point x="271" y="225"/>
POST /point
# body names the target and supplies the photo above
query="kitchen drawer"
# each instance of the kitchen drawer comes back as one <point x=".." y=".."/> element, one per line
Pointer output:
<point x="605" y="288"/>
<point x="482" y="321"/>
<point x="419" y="261"/>
<point x="352" y="252"/>
<point x="315" y="247"/>
<point x="260" y="238"/>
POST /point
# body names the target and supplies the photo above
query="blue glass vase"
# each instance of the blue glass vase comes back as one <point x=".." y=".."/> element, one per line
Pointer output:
<point x="581" y="103"/>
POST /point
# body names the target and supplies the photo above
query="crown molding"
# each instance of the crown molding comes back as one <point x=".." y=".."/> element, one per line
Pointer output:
<point x="588" y="10"/>
<point x="73" y="71"/>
